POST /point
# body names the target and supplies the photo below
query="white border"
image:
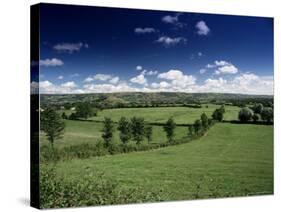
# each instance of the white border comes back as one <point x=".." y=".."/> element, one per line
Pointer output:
<point x="14" y="106"/>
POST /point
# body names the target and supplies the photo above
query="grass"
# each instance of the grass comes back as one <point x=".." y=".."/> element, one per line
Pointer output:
<point x="181" y="115"/>
<point x="231" y="160"/>
<point x="77" y="132"/>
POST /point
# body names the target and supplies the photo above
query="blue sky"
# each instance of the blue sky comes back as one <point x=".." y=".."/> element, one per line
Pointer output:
<point x="95" y="49"/>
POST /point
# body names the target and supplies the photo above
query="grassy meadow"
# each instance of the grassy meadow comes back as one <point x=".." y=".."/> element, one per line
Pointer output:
<point x="225" y="162"/>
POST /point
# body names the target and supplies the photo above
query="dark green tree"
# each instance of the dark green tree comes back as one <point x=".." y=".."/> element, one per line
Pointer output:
<point x="257" y="108"/>
<point x="197" y="126"/>
<point x="169" y="128"/>
<point x="256" y="117"/>
<point x="124" y="128"/>
<point x="190" y="130"/>
<point x="52" y="124"/>
<point x="267" y="114"/>
<point x="245" y="114"/>
<point x="107" y="131"/>
<point x="137" y="129"/>
<point x="148" y="133"/>
<point x="204" y="120"/>
<point x="85" y="110"/>
<point x="218" y="115"/>
<point x="63" y="115"/>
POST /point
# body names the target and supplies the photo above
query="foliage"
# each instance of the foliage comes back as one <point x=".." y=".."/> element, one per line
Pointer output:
<point x="85" y="110"/>
<point x="190" y="130"/>
<point x="197" y="126"/>
<point x="256" y="117"/>
<point x="218" y="115"/>
<point x="204" y="120"/>
<point x="245" y="114"/>
<point x="51" y="124"/>
<point x="169" y="128"/>
<point x="137" y="129"/>
<point x="124" y="127"/>
<point x="64" y="116"/>
<point x="92" y="189"/>
<point x="107" y="131"/>
<point x="257" y="108"/>
<point x="267" y="114"/>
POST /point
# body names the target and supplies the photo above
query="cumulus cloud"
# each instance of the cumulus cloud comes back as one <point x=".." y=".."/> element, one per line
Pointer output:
<point x="223" y="67"/>
<point x="168" y="41"/>
<point x="108" y="88"/>
<point x="70" y="47"/>
<point x="51" y="62"/>
<point x="60" y="77"/>
<point x="102" y="77"/>
<point x="114" y="80"/>
<point x="70" y="84"/>
<point x="178" y="79"/>
<point x="169" y="19"/>
<point x="144" y="30"/>
<point x="202" y="28"/>
<point x="202" y="71"/>
<point x="138" y="68"/>
<point x="74" y="75"/>
<point x="140" y="79"/>
<point x="151" y="72"/>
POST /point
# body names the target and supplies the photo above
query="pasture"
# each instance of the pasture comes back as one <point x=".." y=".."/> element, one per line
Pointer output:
<point x="230" y="160"/>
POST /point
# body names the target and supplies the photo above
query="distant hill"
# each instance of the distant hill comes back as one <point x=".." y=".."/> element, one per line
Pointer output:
<point x="139" y="98"/>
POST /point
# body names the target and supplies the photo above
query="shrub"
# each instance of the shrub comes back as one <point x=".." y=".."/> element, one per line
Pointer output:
<point x="124" y="127"/>
<point x="169" y="128"/>
<point x="256" y="117"/>
<point x="107" y="131"/>
<point x="245" y="114"/>
<point x="267" y="114"/>
<point x="197" y="126"/>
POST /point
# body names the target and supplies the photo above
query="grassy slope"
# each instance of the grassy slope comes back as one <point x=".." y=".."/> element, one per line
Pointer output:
<point x="77" y="132"/>
<point x="181" y="115"/>
<point x="230" y="160"/>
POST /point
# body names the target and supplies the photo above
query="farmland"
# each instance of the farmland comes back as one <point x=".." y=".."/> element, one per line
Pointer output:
<point x="227" y="158"/>
<point x="225" y="162"/>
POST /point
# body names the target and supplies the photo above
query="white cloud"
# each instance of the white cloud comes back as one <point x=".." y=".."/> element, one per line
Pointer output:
<point x="168" y="41"/>
<point x="139" y="68"/>
<point x="151" y="73"/>
<point x="227" y="69"/>
<point x="140" y="79"/>
<point x="161" y="85"/>
<point x="170" y="19"/>
<point x="202" y="28"/>
<point x="202" y="71"/>
<point x="60" y="77"/>
<point x="108" y="88"/>
<point x="145" y="30"/>
<point x="178" y="79"/>
<point x="223" y="67"/>
<point x="88" y="79"/>
<point x="114" y="80"/>
<point x="70" y="84"/>
<point x="70" y="47"/>
<point x="102" y="77"/>
<point x="51" y="62"/>
<point x="200" y="54"/>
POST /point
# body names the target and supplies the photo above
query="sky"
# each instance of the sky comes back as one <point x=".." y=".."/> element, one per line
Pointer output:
<point x="85" y="49"/>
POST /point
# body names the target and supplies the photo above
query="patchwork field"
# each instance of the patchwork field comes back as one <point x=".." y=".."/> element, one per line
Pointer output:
<point x="231" y="160"/>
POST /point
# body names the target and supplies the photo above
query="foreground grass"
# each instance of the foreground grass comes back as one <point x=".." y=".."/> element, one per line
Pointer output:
<point x="231" y="160"/>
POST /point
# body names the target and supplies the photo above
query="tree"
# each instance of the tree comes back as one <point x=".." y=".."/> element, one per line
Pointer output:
<point x="148" y="133"/>
<point x="222" y="109"/>
<point x="63" y="115"/>
<point x="190" y="130"/>
<point x="125" y="130"/>
<point x="72" y="116"/>
<point x="137" y="129"/>
<point x="257" y="108"/>
<point x="256" y="117"/>
<point x="204" y="120"/>
<point x="267" y="114"/>
<point x="107" y="131"/>
<point x="52" y="124"/>
<point x="169" y="128"/>
<point x="85" y="110"/>
<point x="218" y="114"/>
<point x="197" y="126"/>
<point x="245" y="114"/>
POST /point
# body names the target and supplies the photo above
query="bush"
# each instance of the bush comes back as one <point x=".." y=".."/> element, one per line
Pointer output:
<point x="245" y="114"/>
<point x="92" y="189"/>
<point x="256" y="117"/>
<point x="267" y="114"/>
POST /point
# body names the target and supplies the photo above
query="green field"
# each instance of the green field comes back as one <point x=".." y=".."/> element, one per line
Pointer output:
<point x="77" y="132"/>
<point x="230" y="160"/>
